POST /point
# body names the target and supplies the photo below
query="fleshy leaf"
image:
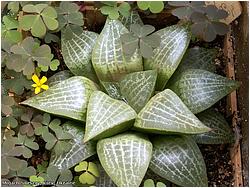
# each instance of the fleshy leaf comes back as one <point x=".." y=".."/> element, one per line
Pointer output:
<point x="58" y="77"/>
<point x="138" y="87"/>
<point x="68" y="98"/>
<point x="106" y="116"/>
<point x="77" y="53"/>
<point x="109" y="62"/>
<point x="113" y="89"/>
<point x="125" y="158"/>
<point x="200" y="89"/>
<point x="166" y="57"/>
<point x="133" y="18"/>
<point x="79" y="150"/>
<point x="179" y="160"/>
<point x="103" y="180"/>
<point x="221" y="132"/>
<point x="165" y="113"/>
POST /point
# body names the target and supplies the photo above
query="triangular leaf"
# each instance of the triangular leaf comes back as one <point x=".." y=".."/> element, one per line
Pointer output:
<point x="79" y="150"/>
<point x="58" y="77"/>
<point x="68" y="98"/>
<point x="138" y="87"/>
<point x="221" y="132"/>
<point x="166" y="58"/>
<point x="125" y="158"/>
<point x="77" y="53"/>
<point x="103" y="180"/>
<point x="108" y="59"/>
<point x="113" y="89"/>
<point x="133" y="18"/>
<point x="179" y="160"/>
<point x="165" y="113"/>
<point x="200" y="89"/>
<point x="106" y="116"/>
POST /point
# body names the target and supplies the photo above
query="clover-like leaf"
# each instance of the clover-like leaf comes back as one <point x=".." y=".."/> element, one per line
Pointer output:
<point x="7" y="103"/>
<point x="9" y="121"/>
<point x="108" y="60"/>
<point x="50" y="37"/>
<point x="106" y="116"/>
<point x="53" y="66"/>
<point x="125" y="151"/>
<point x="36" y="179"/>
<point x="221" y="132"/>
<point x="9" y="29"/>
<point x="87" y="178"/>
<point x="78" y="152"/>
<point x="179" y="160"/>
<point x="150" y="183"/>
<point x="138" y="87"/>
<point x="82" y="166"/>
<point x="77" y="51"/>
<point x="165" y="113"/>
<point x="113" y="10"/>
<point x="68" y="98"/>
<point x="133" y="18"/>
<point x="43" y="17"/>
<point x="13" y="6"/>
<point x="153" y="6"/>
<point x="168" y="55"/>
<point x="200" y="89"/>
<point x="58" y="77"/>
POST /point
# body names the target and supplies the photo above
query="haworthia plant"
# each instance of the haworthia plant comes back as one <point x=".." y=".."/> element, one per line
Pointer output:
<point x="179" y="160"/>
<point x="79" y="150"/>
<point x="221" y="132"/>
<point x="200" y="89"/>
<point x="103" y="180"/>
<point x="68" y="98"/>
<point x="109" y="62"/>
<point x="174" y="42"/>
<point x="138" y="87"/>
<point x="196" y="58"/>
<point x="113" y="89"/>
<point x="165" y="113"/>
<point x="133" y="18"/>
<point x="77" y="53"/>
<point x="58" y="77"/>
<point x="107" y="116"/>
<point x="125" y="158"/>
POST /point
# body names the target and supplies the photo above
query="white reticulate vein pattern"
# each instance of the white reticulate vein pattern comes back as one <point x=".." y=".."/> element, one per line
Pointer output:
<point x="125" y="158"/>
<point x="58" y="77"/>
<point x="166" y="113"/>
<point x="166" y="58"/>
<point x="179" y="160"/>
<point x="77" y="53"/>
<point x="68" y="98"/>
<point x="108" y="59"/>
<point x="106" y="116"/>
<point x="200" y="89"/>
<point x="138" y="87"/>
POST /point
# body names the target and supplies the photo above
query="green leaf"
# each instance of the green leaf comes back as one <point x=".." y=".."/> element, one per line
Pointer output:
<point x="36" y="179"/>
<point x="49" y="17"/>
<point x="153" y="6"/>
<point x="103" y="180"/>
<point x="221" y="132"/>
<point x="9" y="122"/>
<point x="133" y="18"/>
<point x="82" y="166"/>
<point x="160" y="184"/>
<point x="148" y="183"/>
<point x="166" y="58"/>
<point x="59" y="77"/>
<point x="125" y="158"/>
<point x="77" y="53"/>
<point x="87" y="178"/>
<point x="54" y="64"/>
<point x="165" y="113"/>
<point x="108" y="60"/>
<point x="92" y="168"/>
<point x="9" y="29"/>
<point x="124" y="9"/>
<point x="13" y="7"/>
<point x="26" y="172"/>
<point x="179" y="160"/>
<point x="106" y="116"/>
<point x="143" y="5"/>
<point x="200" y="89"/>
<point x="113" y="89"/>
<point x="78" y="152"/>
<point x="68" y="98"/>
<point x="138" y="87"/>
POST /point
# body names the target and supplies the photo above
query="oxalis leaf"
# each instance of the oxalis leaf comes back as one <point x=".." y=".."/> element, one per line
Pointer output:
<point x="109" y="62"/>
<point x="138" y="87"/>
<point x="68" y="98"/>
<point x="77" y="53"/>
<point x="59" y="77"/>
<point x="106" y="116"/>
<point x="79" y="150"/>
<point x="166" y="58"/>
<point x="125" y="158"/>
<point x="165" y="113"/>
<point x="200" y="89"/>
<point x="179" y="160"/>
<point x="221" y="132"/>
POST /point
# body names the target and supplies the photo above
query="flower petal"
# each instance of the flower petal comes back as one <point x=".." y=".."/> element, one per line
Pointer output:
<point x="37" y="90"/>
<point x="43" y="80"/>
<point x="35" y="79"/>
<point x="34" y="85"/>
<point x="45" y="87"/>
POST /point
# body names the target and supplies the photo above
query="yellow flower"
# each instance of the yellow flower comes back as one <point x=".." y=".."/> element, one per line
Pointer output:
<point x="39" y="83"/>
